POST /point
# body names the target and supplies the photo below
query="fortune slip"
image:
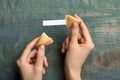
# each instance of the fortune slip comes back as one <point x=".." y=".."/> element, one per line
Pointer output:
<point x="53" y="22"/>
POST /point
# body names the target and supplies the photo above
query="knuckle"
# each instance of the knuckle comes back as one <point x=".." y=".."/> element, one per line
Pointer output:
<point x="90" y="45"/>
<point x="93" y="45"/>
<point x="74" y="34"/>
<point x="19" y="62"/>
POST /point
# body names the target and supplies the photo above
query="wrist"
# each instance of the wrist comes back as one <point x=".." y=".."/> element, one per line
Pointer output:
<point x="72" y="74"/>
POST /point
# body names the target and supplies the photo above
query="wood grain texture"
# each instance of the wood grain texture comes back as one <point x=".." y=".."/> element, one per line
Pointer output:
<point x="21" y="21"/>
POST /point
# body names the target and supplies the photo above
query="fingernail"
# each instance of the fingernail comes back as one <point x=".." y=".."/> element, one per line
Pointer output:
<point x="75" y="25"/>
<point x="62" y="50"/>
<point x="42" y="47"/>
<point x="75" y="14"/>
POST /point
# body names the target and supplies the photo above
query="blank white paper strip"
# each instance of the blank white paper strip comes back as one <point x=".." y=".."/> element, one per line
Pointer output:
<point x="53" y="22"/>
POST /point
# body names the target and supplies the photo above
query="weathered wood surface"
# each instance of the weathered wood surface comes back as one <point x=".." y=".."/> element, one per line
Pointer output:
<point x="21" y="21"/>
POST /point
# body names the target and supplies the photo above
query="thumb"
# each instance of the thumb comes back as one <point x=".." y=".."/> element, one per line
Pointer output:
<point x="74" y="33"/>
<point x="40" y="57"/>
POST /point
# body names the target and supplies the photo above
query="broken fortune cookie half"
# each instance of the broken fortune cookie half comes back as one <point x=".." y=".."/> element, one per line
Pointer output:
<point x="44" y="40"/>
<point x="70" y="20"/>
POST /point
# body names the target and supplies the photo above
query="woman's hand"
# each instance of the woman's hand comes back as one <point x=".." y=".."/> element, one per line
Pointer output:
<point x="77" y="47"/>
<point x="32" y="63"/>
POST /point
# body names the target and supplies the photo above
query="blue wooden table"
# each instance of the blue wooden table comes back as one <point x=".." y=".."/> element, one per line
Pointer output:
<point x="21" y="21"/>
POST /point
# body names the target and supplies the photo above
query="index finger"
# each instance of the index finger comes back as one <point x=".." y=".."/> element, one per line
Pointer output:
<point x="29" y="47"/>
<point x="84" y="29"/>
